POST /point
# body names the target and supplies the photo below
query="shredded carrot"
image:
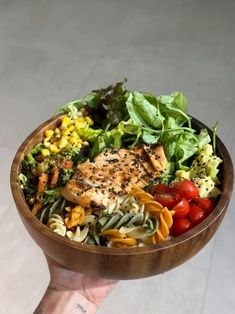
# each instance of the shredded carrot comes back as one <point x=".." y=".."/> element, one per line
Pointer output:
<point x="67" y="164"/>
<point x="42" y="182"/>
<point x="54" y="177"/>
<point x="36" y="208"/>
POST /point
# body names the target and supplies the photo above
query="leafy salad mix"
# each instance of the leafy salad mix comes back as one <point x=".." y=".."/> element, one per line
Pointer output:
<point x="108" y="118"/>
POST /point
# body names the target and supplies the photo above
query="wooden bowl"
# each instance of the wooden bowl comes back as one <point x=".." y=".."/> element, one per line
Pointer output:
<point x="115" y="263"/>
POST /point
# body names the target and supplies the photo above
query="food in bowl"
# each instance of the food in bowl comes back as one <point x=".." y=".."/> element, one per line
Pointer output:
<point x="122" y="169"/>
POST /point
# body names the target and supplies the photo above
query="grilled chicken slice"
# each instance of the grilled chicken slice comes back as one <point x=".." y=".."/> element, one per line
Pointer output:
<point x="113" y="173"/>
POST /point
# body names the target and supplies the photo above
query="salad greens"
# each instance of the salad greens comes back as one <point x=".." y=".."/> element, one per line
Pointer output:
<point x="115" y="117"/>
<point x="126" y="118"/>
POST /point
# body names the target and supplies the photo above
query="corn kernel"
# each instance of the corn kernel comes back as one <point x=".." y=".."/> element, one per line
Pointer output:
<point x="80" y="123"/>
<point x="66" y="121"/>
<point x="62" y="143"/>
<point x="65" y="132"/>
<point x="74" y="134"/>
<point x="45" y="152"/>
<point x="72" y="128"/>
<point x="79" y="119"/>
<point x="73" y="140"/>
<point x="58" y="136"/>
<point x="57" y="131"/>
<point x="54" y="148"/>
<point x="89" y="121"/>
<point x="49" y="133"/>
<point x="53" y="140"/>
<point x="46" y="144"/>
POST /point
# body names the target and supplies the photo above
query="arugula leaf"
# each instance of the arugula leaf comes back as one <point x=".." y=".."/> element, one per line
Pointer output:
<point x="203" y="138"/>
<point x="180" y="147"/>
<point x="126" y="119"/>
<point x="149" y="113"/>
<point x="133" y="113"/>
<point x="149" y="138"/>
<point x="175" y="100"/>
<point x="214" y="128"/>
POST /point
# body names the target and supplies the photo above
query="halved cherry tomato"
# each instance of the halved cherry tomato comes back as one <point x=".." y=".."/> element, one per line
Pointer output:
<point x="159" y="188"/>
<point x="168" y="200"/>
<point x="180" y="226"/>
<point x="205" y="203"/>
<point x="196" y="214"/>
<point x="181" y="209"/>
<point x="186" y="189"/>
<point x="174" y="187"/>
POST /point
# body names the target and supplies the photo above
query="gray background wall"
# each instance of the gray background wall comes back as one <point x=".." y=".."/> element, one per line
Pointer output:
<point x="54" y="51"/>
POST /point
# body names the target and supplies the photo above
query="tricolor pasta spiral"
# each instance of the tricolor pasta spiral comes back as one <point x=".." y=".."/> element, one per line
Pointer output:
<point x="165" y="223"/>
<point x="127" y="229"/>
<point x="164" y="215"/>
<point x="56" y="223"/>
<point x="147" y="200"/>
<point x="79" y="235"/>
<point x="125" y="203"/>
<point x="76" y="217"/>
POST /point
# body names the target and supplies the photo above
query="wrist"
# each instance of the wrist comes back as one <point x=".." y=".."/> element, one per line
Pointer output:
<point x="59" y="300"/>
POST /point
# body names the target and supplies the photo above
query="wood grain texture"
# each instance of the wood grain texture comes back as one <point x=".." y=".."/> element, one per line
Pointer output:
<point x="118" y="263"/>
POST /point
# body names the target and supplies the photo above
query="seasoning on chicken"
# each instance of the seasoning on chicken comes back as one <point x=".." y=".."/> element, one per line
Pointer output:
<point x="113" y="173"/>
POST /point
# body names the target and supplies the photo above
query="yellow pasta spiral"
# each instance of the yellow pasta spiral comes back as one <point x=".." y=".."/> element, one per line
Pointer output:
<point x="147" y="199"/>
<point x="76" y="217"/>
<point x="155" y="208"/>
<point x="118" y="239"/>
<point x="165" y="223"/>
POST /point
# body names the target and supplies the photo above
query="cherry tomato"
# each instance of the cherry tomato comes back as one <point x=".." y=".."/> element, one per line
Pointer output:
<point x="174" y="187"/>
<point x="159" y="188"/>
<point x="196" y="214"/>
<point x="205" y="203"/>
<point x="186" y="189"/>
<point x="181" y="209"/>
<point x="168" y="200"/>
<point x="180" y="226"/>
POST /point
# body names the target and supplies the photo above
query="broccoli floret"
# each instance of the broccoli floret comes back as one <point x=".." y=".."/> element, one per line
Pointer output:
<point x="36" y="149"/>
<point x="66" y="175"/>
<point x="29" y="159"/>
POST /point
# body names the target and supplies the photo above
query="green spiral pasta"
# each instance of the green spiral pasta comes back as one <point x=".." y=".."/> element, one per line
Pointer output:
<point x="139" y="226"/>
<point x="126" y="215"/>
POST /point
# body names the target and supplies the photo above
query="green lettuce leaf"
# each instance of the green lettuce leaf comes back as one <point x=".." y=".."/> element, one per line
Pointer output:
<point x="89" y="134"/>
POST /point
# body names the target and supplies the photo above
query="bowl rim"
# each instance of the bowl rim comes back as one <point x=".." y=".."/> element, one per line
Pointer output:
<point x="22" y="206"/>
